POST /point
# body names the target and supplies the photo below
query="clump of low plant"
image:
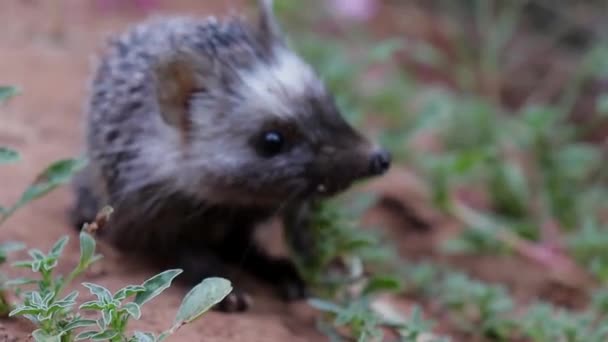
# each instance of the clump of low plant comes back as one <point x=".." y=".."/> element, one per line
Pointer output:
<point x="58" y="317"/>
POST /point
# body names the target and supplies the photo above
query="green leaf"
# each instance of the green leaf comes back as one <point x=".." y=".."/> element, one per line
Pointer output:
<point x="40" y="336"/>
<point x="24" y="310"/>
<point x="7" y="92"/>
<point x="23" y="264"/>
<point x="201" y="298"/>
<point x="19" y="282"/>
<point x="382" y="283"/>
<point x="128" y="291"/>
<point x="163" y="336"/>
<point x="108" y="316"/>
<point x="104" y="335"/>
<point x="144" y="337"/>
<point x="79" y="323"/>
<point x="87" y="250"/>
<point x="325" y="306"/>
<point x="92" y="305"/>
<point x="56" y="174"/>
<point x="85" y="335"/>
<point x="155" y="285"/>
<point x="8" y="156"/>
<point x="101" y="292"/>
<point x="133" y="310"/>
<point x="59" y="246"/>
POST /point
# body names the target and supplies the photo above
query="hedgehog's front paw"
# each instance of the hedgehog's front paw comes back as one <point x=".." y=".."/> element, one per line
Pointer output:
<point x="289" y="282"/>
<point x="236" y="301"/>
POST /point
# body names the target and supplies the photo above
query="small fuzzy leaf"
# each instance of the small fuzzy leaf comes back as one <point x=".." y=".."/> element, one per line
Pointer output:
<point x="108" y="316"/>
<point x="382" y="283"/>
<point x="155" y="285"/>
<point x="19" y="282"/>
<point x="133" y="310"/>
<point x="87" y="250"/>
<point x="128" y="291"/>
<point x="92" y="305"/>
<point x="56" y="174"/>
<point x="79" y="323"/>
<point x="59" y="246"/>
<point x="201" y="298"/>
<point x="324" y="305"/>
<point x="101" y="292"/>
<point x="41" y="336"/>
<point x="8" y="156"/>
<point x="85" y="335"/>
<point x="163" y="336"/>
<point x="144" y="337"/>
<point x="24" y="310"/>
<point x="23" y="264"/>
<point x="104" y="335"/>
<point x="7" y="92"/>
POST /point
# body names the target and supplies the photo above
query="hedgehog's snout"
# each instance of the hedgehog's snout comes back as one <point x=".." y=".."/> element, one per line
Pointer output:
<point x="380" y="162"/>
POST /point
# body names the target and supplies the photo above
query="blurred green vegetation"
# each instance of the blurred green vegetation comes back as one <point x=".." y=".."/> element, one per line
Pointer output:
<point x="537" y="163"/>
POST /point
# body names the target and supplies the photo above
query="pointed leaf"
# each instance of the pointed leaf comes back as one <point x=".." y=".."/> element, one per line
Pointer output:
<point x="8" y="156"/>
<point x="163" y="336"/>
<point x="144" y="337"/>
<point x="87" y="250"/>
<point x="107" y="316"/>
<point x="59" y="246"/>
<point x="133" y="310"/>
<point x="324" y="305"/>
<point x="128" y="291"/>
<point x="155" y="285"/>
<point x="7" y="92"/>
<point x="92" y="305"/>
<point x="101" y="292"/>
<point x="79" y="323"/>
<point x="56" y="174"/>
<point x="86" y="335"/>
<point x="104" y="335"/>
<point x="201" y="298"/>
<point x="41" y="336"/>
<point x="382" y="283"/>
<point x="24" y="310"/>
<point x="19" y="282"/>
<point x="23" y="264"/>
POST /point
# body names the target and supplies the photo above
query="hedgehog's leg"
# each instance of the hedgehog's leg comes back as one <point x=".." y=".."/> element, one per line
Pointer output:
<point x="201" y="263"/>
<point x="86" y="204"/>
<point x="241" y="249"/>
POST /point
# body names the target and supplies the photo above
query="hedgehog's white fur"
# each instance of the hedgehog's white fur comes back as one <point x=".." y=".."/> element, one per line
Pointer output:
<point x="275" y="86"/>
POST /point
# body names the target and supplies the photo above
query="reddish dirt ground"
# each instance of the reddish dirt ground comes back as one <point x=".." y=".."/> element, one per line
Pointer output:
<point x="52" y="64"/>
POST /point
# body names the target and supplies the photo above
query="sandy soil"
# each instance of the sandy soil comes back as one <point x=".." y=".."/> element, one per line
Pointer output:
<point x="51" y="63"/>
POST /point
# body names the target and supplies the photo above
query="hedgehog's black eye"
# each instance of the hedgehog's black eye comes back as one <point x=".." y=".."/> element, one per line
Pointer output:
<point x="272" y="143"/>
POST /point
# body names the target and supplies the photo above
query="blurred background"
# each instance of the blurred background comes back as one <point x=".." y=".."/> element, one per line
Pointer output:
<point x="496" y="112"/>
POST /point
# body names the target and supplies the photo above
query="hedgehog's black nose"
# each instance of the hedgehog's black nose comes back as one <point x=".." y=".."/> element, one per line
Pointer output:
<point x="380" y="162"/>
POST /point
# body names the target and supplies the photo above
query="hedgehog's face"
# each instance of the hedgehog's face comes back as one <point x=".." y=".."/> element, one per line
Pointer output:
<point x="260" y="128"/>
<point x="279" y="136"/>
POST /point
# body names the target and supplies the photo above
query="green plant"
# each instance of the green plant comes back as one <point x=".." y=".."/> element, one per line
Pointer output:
<point x="57" y="319"/>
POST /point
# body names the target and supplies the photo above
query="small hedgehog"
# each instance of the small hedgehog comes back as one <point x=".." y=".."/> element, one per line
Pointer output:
<point x="200" y="130"/>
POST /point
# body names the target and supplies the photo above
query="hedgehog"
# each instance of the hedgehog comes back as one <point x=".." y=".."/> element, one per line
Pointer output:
<point x="200" y="130"/>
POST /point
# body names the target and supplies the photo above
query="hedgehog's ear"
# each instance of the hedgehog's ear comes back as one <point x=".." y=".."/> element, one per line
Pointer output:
<point x="176" y="81"/>
<point x="268" y="25"/>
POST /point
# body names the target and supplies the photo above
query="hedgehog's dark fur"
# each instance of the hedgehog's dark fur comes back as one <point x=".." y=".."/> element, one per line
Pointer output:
<point x="199" y="130"/>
